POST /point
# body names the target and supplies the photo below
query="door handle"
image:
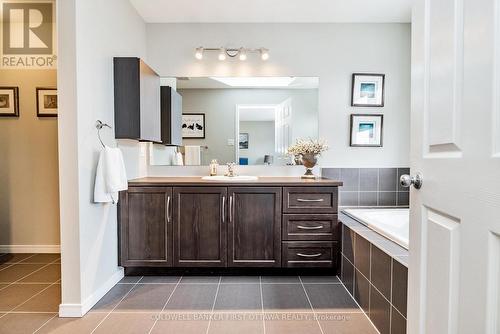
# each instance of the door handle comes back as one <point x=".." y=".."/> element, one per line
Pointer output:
<point x="231" y="208"/>
<point x="407" y="180"/>
<point x="309" y="227"/>
<point x="223" y="208"/>
<point x="168" y="210"/>
<point x="309" y="200"/>
<point x="309" y="255"/>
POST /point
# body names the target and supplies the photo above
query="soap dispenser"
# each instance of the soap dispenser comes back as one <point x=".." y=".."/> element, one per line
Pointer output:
<point x="213" y="167"/>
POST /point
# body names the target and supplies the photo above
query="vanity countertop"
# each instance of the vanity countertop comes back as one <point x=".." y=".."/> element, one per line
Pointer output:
<point x="264" y="180"/>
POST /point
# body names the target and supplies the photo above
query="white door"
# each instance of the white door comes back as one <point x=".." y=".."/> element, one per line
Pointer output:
<point x="454" y="273"/>
<point x="282" y="125"/>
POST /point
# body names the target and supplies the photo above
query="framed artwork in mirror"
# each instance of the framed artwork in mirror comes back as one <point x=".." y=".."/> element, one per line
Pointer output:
<point x="46" y="102"/>
<point x="193" y="126"/>
<point x="366" y="130"/>
<point x="9" y="102"/>
<point x="367" y="90"/>
<point x="243" y="141"/>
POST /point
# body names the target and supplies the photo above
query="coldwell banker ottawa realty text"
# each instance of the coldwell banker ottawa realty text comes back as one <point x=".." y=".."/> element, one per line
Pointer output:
<point x="28" y="36"/>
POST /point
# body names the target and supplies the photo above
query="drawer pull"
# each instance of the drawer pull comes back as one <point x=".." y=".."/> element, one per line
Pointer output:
<point x="309" y="227"/>
<point x="309" y="255"/>
<point x="309" y="200"/>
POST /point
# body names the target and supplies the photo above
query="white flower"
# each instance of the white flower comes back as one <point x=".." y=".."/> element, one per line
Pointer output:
<point x="308" y="146"/>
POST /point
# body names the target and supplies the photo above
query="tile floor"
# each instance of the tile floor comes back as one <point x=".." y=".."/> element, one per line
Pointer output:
<point x="30" y="295"/>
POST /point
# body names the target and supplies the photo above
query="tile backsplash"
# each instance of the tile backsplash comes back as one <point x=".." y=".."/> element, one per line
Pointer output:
<point x="370" y="186"/>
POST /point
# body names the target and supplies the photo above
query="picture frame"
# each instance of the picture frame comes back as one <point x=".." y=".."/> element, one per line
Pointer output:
<point x="367" y="90"/>
<point x="193" y="126"/>
<point x="9" y="101"/>
<point x="46" y="102"/>
<point x="243" y="141"/>
<point x="366" y="130"/>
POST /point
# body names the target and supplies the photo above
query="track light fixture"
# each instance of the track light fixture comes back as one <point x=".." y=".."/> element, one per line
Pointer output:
<point x="223" y="53"/>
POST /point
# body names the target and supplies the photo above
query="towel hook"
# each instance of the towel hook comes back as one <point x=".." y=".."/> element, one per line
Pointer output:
<point x="99" y="125"/>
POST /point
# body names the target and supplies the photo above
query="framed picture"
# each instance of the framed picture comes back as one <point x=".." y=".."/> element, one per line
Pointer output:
<point x="9" y="102"/>
<point x="46" y="102"/>
<point x="367" y="90"/>
<point x="243" y="141"/>
<point x="193" y="126"/>
<point x="366" y="130"/>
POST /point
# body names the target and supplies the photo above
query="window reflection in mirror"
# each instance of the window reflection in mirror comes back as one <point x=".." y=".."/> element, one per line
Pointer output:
<point x="247" y="120"/>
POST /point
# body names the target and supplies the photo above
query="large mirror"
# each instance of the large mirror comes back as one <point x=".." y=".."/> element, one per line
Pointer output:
<point x="246" y="120"/>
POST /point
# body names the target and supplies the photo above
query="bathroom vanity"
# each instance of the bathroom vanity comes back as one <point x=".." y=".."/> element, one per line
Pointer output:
<point x="188" y="222"/>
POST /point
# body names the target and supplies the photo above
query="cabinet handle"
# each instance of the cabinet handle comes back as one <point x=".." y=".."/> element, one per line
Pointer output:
<point x="168" y="209"/>
<point x="309" y="227"/>
<point x="223" y="208"/>
<point x="231" y="208"/>
<point x="309" y="200"/>
<point x="309" y="255"/>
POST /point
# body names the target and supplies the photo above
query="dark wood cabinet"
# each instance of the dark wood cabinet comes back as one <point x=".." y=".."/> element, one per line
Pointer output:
<point x="187" y="222"/>
<point x="146" y="227"/>
<point x="254" y="229"/>
<point x="200" y="226"/>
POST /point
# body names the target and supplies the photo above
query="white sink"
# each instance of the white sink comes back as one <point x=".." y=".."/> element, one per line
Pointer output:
<point x="230" y="178"/>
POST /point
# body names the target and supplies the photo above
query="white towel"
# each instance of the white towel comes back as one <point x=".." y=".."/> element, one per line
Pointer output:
<point x="110" y="177"/>
<point x="192" y="155"/>
<point x="178" y="159"/>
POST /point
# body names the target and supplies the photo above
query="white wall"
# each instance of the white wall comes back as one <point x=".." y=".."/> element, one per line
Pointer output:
<point x="29" y="179"/>
<point x="330" y="51"/>
<point x="260" y="141"/>
<point x="91" y="33"/>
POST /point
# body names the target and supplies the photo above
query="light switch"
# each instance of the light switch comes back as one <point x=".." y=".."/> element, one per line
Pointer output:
<point x="230" y="142"/>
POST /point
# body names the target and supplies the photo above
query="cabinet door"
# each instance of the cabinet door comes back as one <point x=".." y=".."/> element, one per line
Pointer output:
<point x="254" y="233"/>
<point x="145" y="227"/>
<point x="200" y="226"/>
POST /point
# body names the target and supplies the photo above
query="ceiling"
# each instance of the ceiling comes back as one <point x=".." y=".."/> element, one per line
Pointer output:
<point x="270" y="11"/>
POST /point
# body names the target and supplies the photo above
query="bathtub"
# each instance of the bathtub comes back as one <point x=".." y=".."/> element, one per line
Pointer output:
<point x="391" y="223"/>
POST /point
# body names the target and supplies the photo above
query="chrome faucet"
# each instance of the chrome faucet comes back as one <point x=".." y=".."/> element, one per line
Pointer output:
<point x="230" y="169"/>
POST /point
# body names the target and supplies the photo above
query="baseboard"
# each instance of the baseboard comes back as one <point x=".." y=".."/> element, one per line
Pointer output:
<point x="30" y="249"/>
<point x="79" y="310"/>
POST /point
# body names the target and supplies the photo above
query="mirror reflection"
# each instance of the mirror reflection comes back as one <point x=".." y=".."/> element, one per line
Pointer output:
<point x="246" y="120"/>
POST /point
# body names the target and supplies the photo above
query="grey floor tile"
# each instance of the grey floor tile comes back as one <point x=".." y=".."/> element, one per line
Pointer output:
<point x="319" y="279"/>
<point x="47" y="300"/>
<point x="176" y="323"/>
<point x="112" y="298"/>
<point x="146" y="298"/>
<point x="345" y="323"/>
<point x="17" y="271"/>
<point x="239" y="297"/>
<point x="16" y="294"/>
<point x="398" y="322"/>
<point x="17" y="257"/>
<point x="200" y="279"/>
<point x="16" y="323"/>
<point x="230" y="323"/>
<point x="42" y="258"/>
<point x="160" y="279"/>
<point x="49" y="274"/>
<point x="284" y="297"/>
<point x="239" y="279"/>
<point x="130" y="280"/>
<point x="130" y="323"/>
<point x="83" y="325"/>
<point x="192" y="297"/>
<point x="281" y="279"/>
<point x="287" y="323"/>
<point x="330" y="298"/>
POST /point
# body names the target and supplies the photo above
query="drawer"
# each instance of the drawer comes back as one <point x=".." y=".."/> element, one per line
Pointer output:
<point x="310" y="227"/>
<point x="309" y="254"/>
<point x="310" y="199"/>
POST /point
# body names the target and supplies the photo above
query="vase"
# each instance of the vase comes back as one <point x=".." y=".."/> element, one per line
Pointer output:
<point x="309" y="160"/>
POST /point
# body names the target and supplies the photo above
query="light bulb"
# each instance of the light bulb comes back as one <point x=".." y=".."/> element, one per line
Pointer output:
<point x="264" y="54"/>
<point x="199" y="53"/>
<point x="243" y="54"/>
<point x="222" y="54"/>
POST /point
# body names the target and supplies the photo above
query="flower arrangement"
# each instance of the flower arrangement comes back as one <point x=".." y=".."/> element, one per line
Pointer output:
<point x="308" y="146"/>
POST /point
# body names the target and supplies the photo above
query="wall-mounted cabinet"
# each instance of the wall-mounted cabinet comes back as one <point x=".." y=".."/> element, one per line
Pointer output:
<point x="171" y="116"/>
<point x="137" y="100"/>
